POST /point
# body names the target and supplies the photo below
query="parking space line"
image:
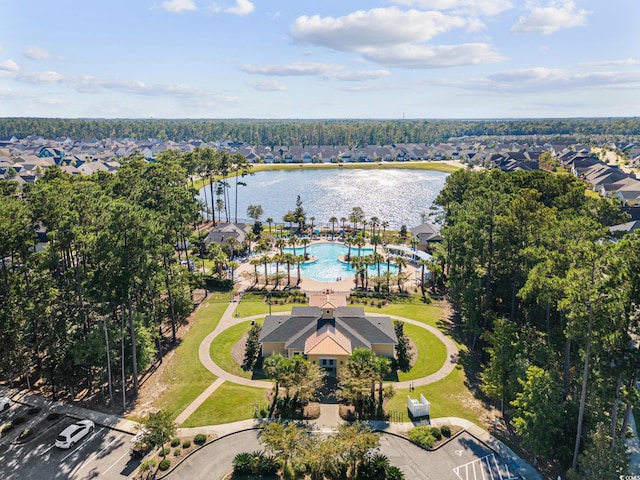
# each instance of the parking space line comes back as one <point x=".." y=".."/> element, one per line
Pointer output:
<point x="47" y="451"/>
<point x="114" y="463"/>
<point x="77" y="448"/>
<point x="95" y="454"/>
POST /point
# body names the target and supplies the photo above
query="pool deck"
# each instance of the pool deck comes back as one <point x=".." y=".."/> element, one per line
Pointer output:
<point x="309" y="285"/>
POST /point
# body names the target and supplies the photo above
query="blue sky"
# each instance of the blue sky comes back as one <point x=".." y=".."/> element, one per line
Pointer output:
<point x="320" y="58"/>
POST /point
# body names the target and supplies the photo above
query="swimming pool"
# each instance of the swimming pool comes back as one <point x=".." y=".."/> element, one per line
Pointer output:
<point x="327" y="267"/>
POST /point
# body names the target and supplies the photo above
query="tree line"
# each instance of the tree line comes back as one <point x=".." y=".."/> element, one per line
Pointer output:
<point x="550" y="304"/>
<point x="92" y="308"/>
<point x="313" y="132"/>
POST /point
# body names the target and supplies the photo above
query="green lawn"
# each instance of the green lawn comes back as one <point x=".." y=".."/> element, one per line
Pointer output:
<point x="414" y="309"/>
<point x="432" y="353"/>
<point x="221" y="349"/>
<point x="253" y="304"/>
<point x="185" y="377"/>
<point x="449" y="397"/>
<point x="229" y="403"/>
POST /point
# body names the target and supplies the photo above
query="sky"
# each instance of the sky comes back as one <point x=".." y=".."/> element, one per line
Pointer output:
<point x="317" y="59"/>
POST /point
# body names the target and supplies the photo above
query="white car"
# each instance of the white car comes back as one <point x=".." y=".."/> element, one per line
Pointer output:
<point x="5" y="403"/>
<point x="73" y="433"/>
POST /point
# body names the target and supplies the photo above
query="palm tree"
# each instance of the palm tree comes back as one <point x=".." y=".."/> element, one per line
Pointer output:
<point x="249" y="238"/>
<point x="359" y="242"/>
<point x="265" y="260"/>
<point x="293" y="241"/>
<point x="374" y="222"/>
<point x="232" y="268"/>
<point x="385" y="225"/>
<point x="344" y="221"/>
<point x="333" y="221"/>
<point x="375" y="240"/>
<point x="269" y="221"/>
<point x="311" y="220"/>
<point x="299" y="259"/>
<point x="401" y="263"/>
<point x="280" y="244"/>
<point x="305" y="241"/>
<point x="255" y="262"/>
<point x="423" y="263"/>
<point x="287" y="258"/>
<point x="348" y="242"/>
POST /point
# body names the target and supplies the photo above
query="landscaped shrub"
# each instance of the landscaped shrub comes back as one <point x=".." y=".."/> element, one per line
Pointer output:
<point x="199" y="439"/>
<point x="147" y="465"/>
<point x="175" y="442"/>
<point x="268" y="465"/>
<point x="177" y="452"/>
<point x="436" y="433"/>
<point x="446" y="430"/>
<point x="422" y="436"/>
<point x="24" y="434"/>
<point x="186" y="444"/>
<point x="242" y="463"/>
<point x="6" y="427"/>
<point x="164" y="464"/>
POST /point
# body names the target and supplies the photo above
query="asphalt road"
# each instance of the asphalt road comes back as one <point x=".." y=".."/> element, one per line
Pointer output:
<point x="103" y="453"/>
<point x="463" y="458"/>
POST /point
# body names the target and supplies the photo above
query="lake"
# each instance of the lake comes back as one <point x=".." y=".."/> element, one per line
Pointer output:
<point x="397" y="196"/>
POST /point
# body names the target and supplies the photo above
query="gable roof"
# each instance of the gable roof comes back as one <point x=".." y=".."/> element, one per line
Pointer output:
<point x="327" y="341"/>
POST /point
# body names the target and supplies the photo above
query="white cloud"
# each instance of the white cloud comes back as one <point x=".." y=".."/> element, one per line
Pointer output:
<point x="359" y="76"/>
<point x="461" y="7"/>
<point x="438" y="56"/>
<point x="629" y="62"/>
<point x="291" y="69"/>
<point x="268" y="86"/>
<point x="556" y="15"/>
<point x="37" y="53"/>
<point x="242" y="8"/>
<point x="178" y="6"/>
<point x="404" y="42"/>
<point x="326" y="71"/>
<point x="9" y="66"/>
<point x="40" y="77"/>
<point x="362" y="29"/>
<point x="542" y="79"/>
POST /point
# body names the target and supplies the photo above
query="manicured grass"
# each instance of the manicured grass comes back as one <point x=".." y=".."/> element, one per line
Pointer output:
<point x="449" y="397"/>
<point x="222" y="345"/>
<point x="185" y="377"/>
<point x="432" y="353"/>
<point x="252" y="304"/>
<point x="229" y="403"/>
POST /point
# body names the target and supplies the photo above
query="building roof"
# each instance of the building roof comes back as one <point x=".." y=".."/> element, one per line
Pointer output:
<point x="327" y="341"/>
<point x="323" y="300"/>
<point x="306" y="323"/>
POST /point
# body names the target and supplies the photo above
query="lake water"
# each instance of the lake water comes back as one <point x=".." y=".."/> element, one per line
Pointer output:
<point x="397" y="196"/>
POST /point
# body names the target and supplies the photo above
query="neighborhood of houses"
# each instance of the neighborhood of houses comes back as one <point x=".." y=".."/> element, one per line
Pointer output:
<point x="25" y="159"/>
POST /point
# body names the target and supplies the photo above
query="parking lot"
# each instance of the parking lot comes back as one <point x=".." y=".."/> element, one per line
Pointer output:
<point x="462" y="458"/>
<point x="103" y="453"/>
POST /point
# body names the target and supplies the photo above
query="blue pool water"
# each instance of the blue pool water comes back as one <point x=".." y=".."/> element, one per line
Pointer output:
<point x="327" y="267"/>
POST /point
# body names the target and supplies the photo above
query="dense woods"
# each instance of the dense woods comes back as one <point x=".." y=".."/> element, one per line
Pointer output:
<point x="550" y="304"/>
<point x="88" y="310"/>
<point x="312" y="132"/>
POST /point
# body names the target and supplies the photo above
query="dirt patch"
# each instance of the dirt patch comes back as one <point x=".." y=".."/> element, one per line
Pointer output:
<point x="238" y="349"/>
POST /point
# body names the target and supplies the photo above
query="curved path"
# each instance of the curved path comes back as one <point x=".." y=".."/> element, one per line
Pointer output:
<point x="228" y="320"/>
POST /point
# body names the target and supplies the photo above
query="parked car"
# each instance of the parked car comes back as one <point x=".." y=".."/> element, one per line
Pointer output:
<point x="73" y="433"/>
<point x="5" y="403"/>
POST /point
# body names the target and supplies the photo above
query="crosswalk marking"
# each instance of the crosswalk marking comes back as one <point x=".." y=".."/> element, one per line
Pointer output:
<point x="485" y="468"/>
